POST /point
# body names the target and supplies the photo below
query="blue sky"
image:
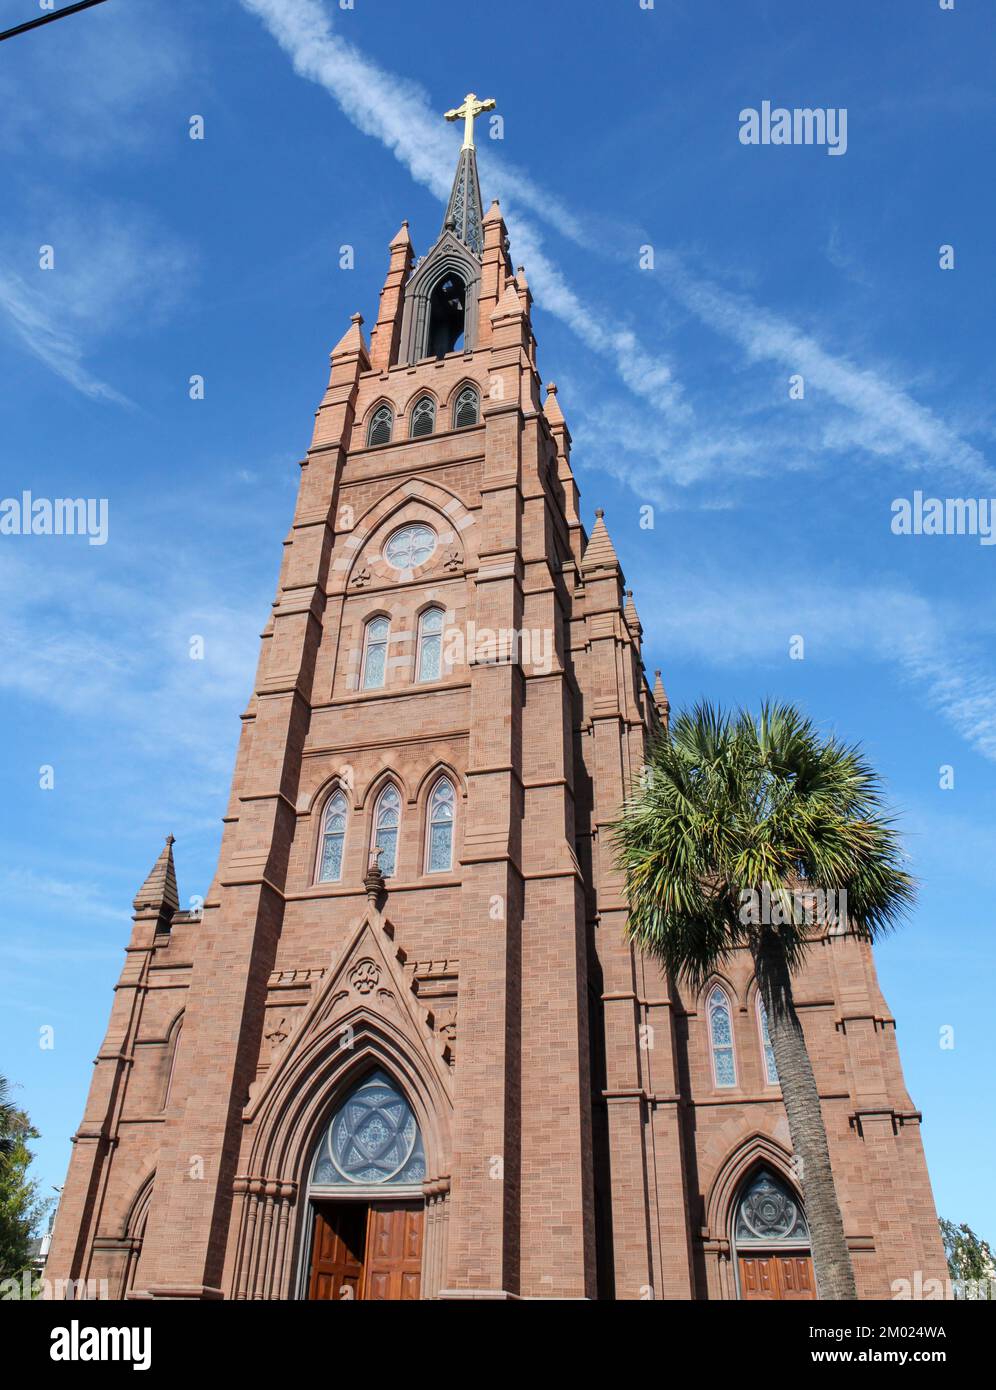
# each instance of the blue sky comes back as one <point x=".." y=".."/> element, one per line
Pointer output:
<point x="771" y="515"/>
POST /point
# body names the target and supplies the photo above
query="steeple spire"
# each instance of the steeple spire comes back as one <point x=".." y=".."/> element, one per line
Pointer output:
<point x="158" y="893"/>
<point x="464" y="211"/>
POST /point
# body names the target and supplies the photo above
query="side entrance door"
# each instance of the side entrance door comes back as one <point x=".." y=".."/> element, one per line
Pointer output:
<point x="783" y="1277"/>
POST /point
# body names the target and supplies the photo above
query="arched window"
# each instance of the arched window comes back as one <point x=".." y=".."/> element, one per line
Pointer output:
<point x="387" y="820"/>
<point x="381" y="425"/>
<point x="767" y="1051"/>
<point x="423" y="417"/>
<point x="375" y="640"/>
<point x="769" y="1213"/>
<point x="442" y="805"/>
<point x="724" y="1067"/>
<point x="373" y="1138"/>
<point x="174" y="1047"/>
<point x="333" y="840"/>
<point x="429" y="661"/>
<point x="466" y="408"/>
<point x="447" y="313"/>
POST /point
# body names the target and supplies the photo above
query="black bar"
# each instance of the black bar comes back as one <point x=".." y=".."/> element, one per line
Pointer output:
<point x="47" y="18"/>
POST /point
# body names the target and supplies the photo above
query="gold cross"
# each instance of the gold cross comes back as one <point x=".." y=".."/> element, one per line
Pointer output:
<point x="468" y="113"/>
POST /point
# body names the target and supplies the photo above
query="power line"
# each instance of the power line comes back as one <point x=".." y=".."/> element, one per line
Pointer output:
<point x="47" y="18"/>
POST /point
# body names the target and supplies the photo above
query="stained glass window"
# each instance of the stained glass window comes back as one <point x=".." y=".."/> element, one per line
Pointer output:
<point x="466" y="407"/>
<point x="423" y="417"/>
<point x="381" y="425"/>
<point x="410" y="546"/>
<point x="373" y="1138"/>
<point x="387" y="819"/>
<point x="721" y="1039"/>
<point x="430" y="645"/>
<point x="441" y="808"/>
<point x="770" y="1069"/>
<point x="769" y="1211"/>
<point x="375" y="653"/>
<point x="333" y="839"/>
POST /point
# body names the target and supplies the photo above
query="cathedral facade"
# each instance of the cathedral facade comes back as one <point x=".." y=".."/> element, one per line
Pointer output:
<point x="405" y="1051"/>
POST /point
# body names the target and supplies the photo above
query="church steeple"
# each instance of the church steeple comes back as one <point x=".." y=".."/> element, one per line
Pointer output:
<point x="464" y="211"/>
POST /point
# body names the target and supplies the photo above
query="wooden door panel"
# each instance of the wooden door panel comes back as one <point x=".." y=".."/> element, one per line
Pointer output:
<point x="337" y="1252"/>
<point x="795" y="1277"/>
<point x="394" y="1252"/>
<point x="758" y="1277"/>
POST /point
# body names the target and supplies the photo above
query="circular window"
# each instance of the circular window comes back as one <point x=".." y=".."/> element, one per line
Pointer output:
<point x="410" y="546"/>
<point x="373" y="1138"/>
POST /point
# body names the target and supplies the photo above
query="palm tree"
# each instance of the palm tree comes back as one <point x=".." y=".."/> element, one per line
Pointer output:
<point x="7" y="1114"/>
<point x="731" y="814"/>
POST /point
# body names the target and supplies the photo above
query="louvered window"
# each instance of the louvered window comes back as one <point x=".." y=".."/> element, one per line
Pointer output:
<point x="423" y="417"/>
<point x="381" y="424"/>
<point x="466" y="411"/>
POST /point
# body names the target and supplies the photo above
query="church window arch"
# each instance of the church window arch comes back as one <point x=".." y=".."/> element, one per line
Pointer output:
<point x="381" y="425"/>
<point x="376" y="636"/>
<point x="767" y="1051"/>
<point x="429" y="652"/>
<point x="447" y="315"/>
<point x="423" y="417"/>
<point x="386" y="828"/>
<point x="720" y="1019"/>
<point x="332" y="842"/>
<point x="439" y="828"/>
<point x="372" y="1140"/>
<point x="466" y="408"/>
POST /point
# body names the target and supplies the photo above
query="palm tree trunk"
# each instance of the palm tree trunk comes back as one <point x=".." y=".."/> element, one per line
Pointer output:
<point x="831" y="1260"/>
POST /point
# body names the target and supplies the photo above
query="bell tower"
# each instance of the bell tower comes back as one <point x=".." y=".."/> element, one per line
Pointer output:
<point x="406" y="1050"/>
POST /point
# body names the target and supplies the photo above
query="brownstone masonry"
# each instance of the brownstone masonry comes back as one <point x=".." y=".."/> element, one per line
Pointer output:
<point x="406" y="1050"/>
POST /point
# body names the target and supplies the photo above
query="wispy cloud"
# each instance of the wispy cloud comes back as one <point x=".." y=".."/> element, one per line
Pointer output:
<point x="724" y="620"/>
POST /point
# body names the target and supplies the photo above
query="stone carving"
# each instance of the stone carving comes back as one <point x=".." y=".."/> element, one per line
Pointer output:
<point x="365" y="976"/>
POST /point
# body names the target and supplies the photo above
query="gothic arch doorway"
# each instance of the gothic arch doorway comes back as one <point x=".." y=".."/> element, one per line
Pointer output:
<point x="365" y="1196"/>
<point x="771" y="1241"/>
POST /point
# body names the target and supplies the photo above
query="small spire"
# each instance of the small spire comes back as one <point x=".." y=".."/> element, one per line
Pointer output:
<point x="600" y="553"/>
<point x="660" y="699"/>
<point x="352" y="340"/>
<point x="158" y="892"/>
<point x="551" y="406"/>
<point x="632" y="617"/>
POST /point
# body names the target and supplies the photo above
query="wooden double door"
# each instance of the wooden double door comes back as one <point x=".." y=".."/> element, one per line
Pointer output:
<point x="773" y="1277"/>
<point x="367" y="1250"/>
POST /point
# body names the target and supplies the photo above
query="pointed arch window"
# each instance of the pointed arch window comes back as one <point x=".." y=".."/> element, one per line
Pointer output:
<point x="447" y="316"/>
<point x="724" y="1067"/>
<point x="333" y="839"/>
<point x="466" y="408"/>
<point x="767" y="1051"/>
<point x="372" y="1139"/>
<point x="442" y="807"/>
<point x="387" y="822"/>
<point x="769" y="1213"/>
<point x="423" y="417"/>
<point x="375" y="640"/>
<point x="381" y="425"/>
<point x="429" y="660"/>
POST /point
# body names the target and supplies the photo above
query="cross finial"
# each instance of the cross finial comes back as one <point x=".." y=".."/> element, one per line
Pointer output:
<point x="468" y="113"/>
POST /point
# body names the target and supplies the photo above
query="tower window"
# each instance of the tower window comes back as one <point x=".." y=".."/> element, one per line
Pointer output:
<point x="447" y="316"/>
<point x="466" y="410"/>
<point x="387" y="820"/>
<point x="767" y="1051"/>
<point x="429" y="663"/>
<point x="333" y="839"/>
<point x="423" y="417"/>
<point x="724" y="1066"/>
<point x="441" y="807"/>
<point x="375" y="653"/>
<point x="381" y="425"/>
